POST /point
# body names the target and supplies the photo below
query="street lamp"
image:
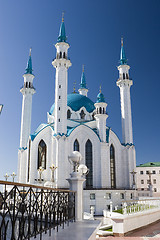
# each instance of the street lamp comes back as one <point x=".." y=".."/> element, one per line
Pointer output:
<point x="40" y="170"/>
<point x="53" y="168"/>
<point x="75" y="159"/>
<point x="13" y="175"/>
<point x="1" y="106"/>
<point x="82" y="168"/>
<point x="6" y="176"/>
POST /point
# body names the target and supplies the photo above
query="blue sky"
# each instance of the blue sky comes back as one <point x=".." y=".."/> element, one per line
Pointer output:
<point x="94" y="29"/>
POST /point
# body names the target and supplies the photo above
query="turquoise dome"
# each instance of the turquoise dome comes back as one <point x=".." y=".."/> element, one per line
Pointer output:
<point x="75" y="101"/>
<point x="100" y="98"/>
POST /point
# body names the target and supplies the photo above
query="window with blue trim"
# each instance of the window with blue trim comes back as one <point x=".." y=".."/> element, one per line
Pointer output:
<point x="88" y="157"/>
<point x="42" y="155"/>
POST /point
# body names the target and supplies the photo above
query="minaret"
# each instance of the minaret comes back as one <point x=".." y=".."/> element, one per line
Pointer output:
<point x="61" y="63"/>
<point x="124" y="83"/>
<point x="83" y="89"/>
<point x="101" y="116"/>
<point x="27" y="92"/>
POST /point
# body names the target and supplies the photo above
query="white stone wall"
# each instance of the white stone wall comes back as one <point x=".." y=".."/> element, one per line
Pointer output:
<point x="102" y="200"/>
<point x="145" y="177"/>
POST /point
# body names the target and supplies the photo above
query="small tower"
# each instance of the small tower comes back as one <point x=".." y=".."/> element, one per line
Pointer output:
<point x="27" y="92"/>
<point x="61" y="64"/>
<point x="83" y="89"/>
<point x="124" y="83"/>
<point x="101" y="116"/>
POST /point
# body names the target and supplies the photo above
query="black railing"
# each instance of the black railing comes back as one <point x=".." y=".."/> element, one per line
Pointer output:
<point x="27" y="210"/>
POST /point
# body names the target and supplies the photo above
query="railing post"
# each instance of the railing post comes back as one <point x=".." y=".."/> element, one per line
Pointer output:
<point x="76" y="184"/>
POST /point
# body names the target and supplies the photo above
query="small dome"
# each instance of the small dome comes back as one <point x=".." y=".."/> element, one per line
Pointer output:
<point x="100" y="98"/>
<point x="75" y="101"/>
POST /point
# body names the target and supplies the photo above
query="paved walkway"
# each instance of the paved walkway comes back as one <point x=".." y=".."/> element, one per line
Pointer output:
<point x="75" y="231"/>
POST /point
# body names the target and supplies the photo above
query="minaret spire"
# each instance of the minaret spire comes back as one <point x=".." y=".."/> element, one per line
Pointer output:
<point x="83" y="86"/>
<point x="61" y="64"/>
<point x="62" y="32"/>
<point x="123" y="59"/>
<point x="27" y="92"/>
<point x="29" y="64"/>
<point x="124" y="83"/>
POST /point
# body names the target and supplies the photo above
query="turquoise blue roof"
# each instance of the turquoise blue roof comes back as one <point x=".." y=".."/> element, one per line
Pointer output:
<point x="123" y="59"/>
<point x="29" y="65"/>
<point x="62" y="33"/>
<point x="75" y="101"/>
<point x="39" y="129"/>
<point x="83" y="80"/>
<point x="100" y="98"/>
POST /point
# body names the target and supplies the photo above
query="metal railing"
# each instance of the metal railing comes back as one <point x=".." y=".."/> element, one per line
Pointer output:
<point x="27" y="210"/>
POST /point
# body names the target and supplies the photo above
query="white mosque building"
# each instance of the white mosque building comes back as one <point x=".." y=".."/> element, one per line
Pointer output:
<point x="76" y="123"/>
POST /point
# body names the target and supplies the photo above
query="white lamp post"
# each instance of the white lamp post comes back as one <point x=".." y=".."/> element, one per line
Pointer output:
<point x="53" y="168"/>
<point x="40" y="170"/>
<point x="6" y="176"/>
<point x="13" y="175"/>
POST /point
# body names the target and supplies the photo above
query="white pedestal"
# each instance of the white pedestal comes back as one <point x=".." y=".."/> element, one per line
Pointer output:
<point x="76" y="184"/>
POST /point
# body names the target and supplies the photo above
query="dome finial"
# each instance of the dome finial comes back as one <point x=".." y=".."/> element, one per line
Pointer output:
<point x="74" y="87"/>
<point x="121" y="41"/>
<point x="30" y="50"/>
<point x="63" y="16"/>
<point x="100" y="89"/>
<point x="83" y="68"/>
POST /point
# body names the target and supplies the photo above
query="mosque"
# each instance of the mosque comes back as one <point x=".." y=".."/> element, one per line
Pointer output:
<point x="76" y="123"/>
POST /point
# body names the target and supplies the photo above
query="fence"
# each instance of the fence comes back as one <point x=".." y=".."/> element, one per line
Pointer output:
<point x="27" y="210"/>
<point x="130" y="207"/>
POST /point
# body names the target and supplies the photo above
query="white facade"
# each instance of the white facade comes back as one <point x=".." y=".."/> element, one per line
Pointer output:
<point x="75" y="122"/>
<point x="146" y="173"/>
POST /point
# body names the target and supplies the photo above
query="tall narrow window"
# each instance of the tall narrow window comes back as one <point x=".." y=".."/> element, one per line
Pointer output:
<point x="60" y="55"/>
<point x="112" y="167"/>
<point x="68" y="114"/>
<point x="100" y="110"/>
<point x="29" y="153"/>
<point x="64" y="55"/>
<point x="76" y="145"/>
<point x="123" y="75"/>
<point x="82" y="114"/>
<point x="88" y="157"/>
<point x="42" y="154"/>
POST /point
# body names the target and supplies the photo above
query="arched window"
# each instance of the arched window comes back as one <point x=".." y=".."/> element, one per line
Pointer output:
<point x="112" y="167"/>
<point x="88" y="157"/>
<point x="82" y="114"/>
<point x="64" y="55"/>
<point x="42" y="155"/>
<point x="123" y="75"/>
<point x="68" y="114"/>
<point x="60" y="55"/>
<point x="103" y="110"/>
<point x="76" y="145"/>
<point x="100" y="110"/>
<point x="127" y="76"/>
